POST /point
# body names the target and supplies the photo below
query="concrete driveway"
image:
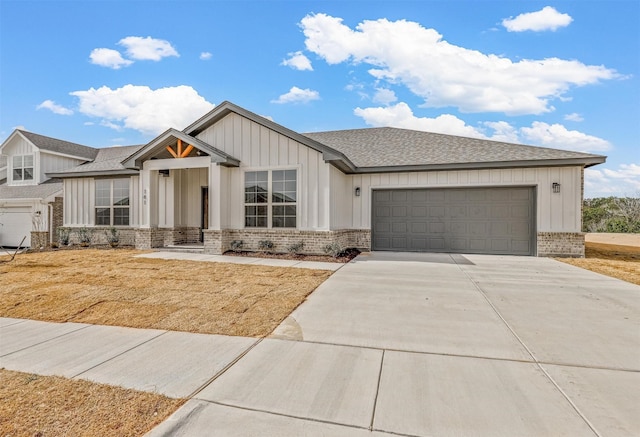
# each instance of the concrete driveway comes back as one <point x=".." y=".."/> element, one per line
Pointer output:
<point x="438" y="345"/>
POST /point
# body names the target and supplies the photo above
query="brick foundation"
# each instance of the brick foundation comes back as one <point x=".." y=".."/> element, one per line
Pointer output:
<point x="217" y="242"/>
<point x="39" y="240"/>
<point x="561" y="244"/>
<point x="127" y="236"/>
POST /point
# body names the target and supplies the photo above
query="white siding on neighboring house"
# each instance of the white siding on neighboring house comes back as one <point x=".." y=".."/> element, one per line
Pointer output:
<point x="18" y="146"/>
<point x="259" y="148"/>
<point x="555" y="212"/>
<point x="50" y="163"/>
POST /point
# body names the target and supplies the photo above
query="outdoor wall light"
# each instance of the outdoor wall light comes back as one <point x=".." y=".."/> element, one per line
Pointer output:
<point x="357" y="191"/>
<point x="555" y="187"/>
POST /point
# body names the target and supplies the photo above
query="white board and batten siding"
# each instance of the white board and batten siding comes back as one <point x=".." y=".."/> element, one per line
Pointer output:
<point x="52" y="163"/>
<point x="260" y="148"/>
<point x="554" y="212"/>
<point x="80" y="200"/>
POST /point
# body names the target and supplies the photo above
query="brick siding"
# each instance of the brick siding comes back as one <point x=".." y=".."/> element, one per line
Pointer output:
<point x="216" y="242"/>
<point x="561" y="244"/>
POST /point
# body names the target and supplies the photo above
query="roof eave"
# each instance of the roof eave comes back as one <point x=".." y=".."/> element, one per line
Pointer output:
<point x="94" y="173"/>
<point x="586" y="162"/>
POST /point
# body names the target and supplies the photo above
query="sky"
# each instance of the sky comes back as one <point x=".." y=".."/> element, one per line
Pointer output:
<point x="559" y="74"/>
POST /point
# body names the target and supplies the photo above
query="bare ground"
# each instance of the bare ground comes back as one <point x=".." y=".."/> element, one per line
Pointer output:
<point x="615" y="255"/>
<point x="43" y="406"/>
<point x="112" y="287"/>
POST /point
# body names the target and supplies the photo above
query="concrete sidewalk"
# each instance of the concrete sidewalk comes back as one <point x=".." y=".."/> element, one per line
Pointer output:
<point x="175" y="364"/>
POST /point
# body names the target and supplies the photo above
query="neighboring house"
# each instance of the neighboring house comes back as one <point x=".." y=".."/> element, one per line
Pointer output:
<point x="27" y="195"/>
<point x="235" y="176"/>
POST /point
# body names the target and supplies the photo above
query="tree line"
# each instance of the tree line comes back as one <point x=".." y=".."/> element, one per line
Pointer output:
<point x="611" y="214"/>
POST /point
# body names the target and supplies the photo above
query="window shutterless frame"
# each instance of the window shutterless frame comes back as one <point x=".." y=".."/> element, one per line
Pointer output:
<point x="271" y="198"/>
<point x="22" y="168"/>
<point x="112" y="205"/>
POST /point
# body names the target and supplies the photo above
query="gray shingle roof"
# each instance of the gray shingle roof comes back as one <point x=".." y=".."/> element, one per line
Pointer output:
<point x="108" y="159"/>
<point x="42" y="191"/>
<point x="60" y="146"/>
<point x="387" y="147"/>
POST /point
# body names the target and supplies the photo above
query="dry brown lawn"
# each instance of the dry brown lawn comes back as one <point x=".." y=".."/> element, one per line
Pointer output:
<point x="618" y="261"/>
<point x="32" y="405"/>
<point x="112" y="287"/>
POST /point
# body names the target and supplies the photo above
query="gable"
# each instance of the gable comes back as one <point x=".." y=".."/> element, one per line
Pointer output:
<point x="17" y="144"/>
<point x="173" y="144"/>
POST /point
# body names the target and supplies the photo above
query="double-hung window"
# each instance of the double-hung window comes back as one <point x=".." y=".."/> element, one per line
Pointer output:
<point x="23" y="168"/>
<point x="112" y="202"/>
<point x="270" y="199"/>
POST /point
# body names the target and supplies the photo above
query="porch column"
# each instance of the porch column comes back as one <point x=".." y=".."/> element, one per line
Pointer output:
<point x="215" y="189"/>
<point x="149" y="196"/>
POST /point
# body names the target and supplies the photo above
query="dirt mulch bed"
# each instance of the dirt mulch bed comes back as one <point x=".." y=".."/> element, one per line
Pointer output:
<point x="343" y="257"/>
<point x="112" y="287"/>
<point x="32" y="405"/>
<point x="617" y="261"/>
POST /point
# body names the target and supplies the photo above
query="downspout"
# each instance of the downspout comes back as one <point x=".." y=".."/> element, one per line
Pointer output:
<point x="50" y="205"/>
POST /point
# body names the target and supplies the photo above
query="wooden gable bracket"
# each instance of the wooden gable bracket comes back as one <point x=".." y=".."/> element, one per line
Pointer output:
<point x="180" y="153"/>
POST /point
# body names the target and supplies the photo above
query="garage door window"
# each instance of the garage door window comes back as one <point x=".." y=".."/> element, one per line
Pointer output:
<point x="270" y="199"/>
<point x="23" y="168"/>
<point x="112" y="202"/>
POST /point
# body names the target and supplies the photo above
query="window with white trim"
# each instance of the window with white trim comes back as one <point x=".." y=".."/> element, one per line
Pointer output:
<point x="270" y="199"/>
<point x="23" y="168"/>
<point x="112" y="202"/>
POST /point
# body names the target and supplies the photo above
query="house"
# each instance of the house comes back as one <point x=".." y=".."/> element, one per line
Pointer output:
<point x="235" y="176"/>
<point x="30" y="201"/>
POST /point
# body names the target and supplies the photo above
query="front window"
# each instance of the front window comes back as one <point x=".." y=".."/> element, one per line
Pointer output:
<point x="23" y="168"/>
<point x="112" y="202"/>
<point x="270" y="199"/>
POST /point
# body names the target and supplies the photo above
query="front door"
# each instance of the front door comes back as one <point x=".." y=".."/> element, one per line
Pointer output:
<point x="204" y="222"/>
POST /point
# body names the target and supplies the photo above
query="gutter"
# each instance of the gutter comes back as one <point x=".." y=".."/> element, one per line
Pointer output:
<point x="586" y="162"/>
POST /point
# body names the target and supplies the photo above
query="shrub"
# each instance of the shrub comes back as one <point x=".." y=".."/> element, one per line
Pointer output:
<point x="63" y="236"/>
<point x="236" y="245"/>
<point x="334" y="249"/>
<point x="265" y="245"/>
<point x="112" y="237"/>
<point x="296" y="248"/>
<point x="84" y="236"/>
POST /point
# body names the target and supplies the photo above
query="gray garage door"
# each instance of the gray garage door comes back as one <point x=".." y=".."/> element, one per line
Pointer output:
<point x="458" y="220"/>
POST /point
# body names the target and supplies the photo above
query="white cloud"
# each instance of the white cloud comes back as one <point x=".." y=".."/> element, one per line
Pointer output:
<point x="625" y="181"/>
<point x="548" y="18"/>
<point x="503" y="131"/>
<point x="404" y="52"/>
<point x="142" y="108"/>
<point x="205" y="56"/>
<point x="298" y="61"/>
<point x="297" y="95"/>
<point x="108" y="58"/>
<point x="401" y="115"/>
<point x="540" y="134"/>
<point x="559" y="137"/>
<point x="147" y="49"/>
<point x="54" y="107"/>
<point x="384" y="96"/>
<point x="574" y="116"/>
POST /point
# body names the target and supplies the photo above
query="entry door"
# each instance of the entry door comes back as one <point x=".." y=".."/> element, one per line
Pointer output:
<point x="204" y="223"/>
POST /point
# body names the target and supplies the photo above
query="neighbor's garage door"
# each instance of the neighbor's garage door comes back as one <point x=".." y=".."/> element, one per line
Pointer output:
<point x="15" y="223"/>
<point x="459" y="220"/>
